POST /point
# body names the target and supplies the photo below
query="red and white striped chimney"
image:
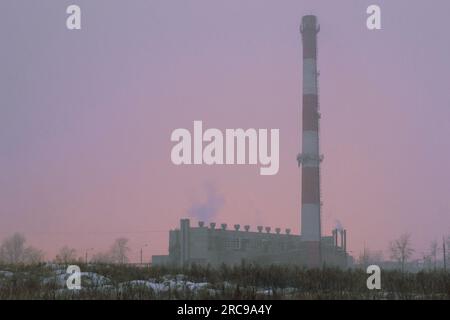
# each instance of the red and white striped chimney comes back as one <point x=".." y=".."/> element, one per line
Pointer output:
<point x="310" y="157"/>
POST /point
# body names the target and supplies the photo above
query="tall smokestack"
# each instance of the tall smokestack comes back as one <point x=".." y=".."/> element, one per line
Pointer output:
<point x="310" y="157"/>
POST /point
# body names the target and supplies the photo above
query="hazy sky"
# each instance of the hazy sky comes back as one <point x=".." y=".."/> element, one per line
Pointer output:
<point x="86" y="118"/>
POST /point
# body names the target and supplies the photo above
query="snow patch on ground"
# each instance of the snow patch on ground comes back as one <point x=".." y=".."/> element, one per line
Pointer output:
<point x="6" y="274"/>
<point x="178" y="283"/>
<point x="94" y="282"/>
<point x="144" y="284"/>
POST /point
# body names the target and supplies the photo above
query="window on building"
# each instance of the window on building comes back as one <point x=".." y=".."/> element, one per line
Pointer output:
<point x="233" y="244"/>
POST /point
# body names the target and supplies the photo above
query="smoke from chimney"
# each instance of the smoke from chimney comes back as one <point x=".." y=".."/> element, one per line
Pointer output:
<point x="338" y="225"/>
<point x="208" y="209"/>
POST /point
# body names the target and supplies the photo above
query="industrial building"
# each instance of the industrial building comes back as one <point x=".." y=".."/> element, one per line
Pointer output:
<point x="205" y="245"/>
<point x="218" y="245"/>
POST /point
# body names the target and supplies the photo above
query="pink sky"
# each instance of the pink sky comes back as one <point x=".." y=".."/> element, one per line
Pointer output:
<point x="86" y="118"/>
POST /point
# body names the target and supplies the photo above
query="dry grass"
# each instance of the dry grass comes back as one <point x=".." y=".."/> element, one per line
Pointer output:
<point x="240" y="282"/>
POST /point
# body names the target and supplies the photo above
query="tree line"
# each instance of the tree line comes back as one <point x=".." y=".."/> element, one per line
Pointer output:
<point x="15" y="250"/>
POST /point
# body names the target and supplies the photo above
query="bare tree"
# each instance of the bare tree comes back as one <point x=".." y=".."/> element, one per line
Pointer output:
<point x="368" y="257"/>
<point x="14" y="251"/>
<point x="446" y="251"/>
<point x="33" y="255"/>
<point x="401" y="249"/>
<point x="66" y="255"/>
<point x="119" y="251"/>
<point x="434" y="252"/>
<point x="101" y="257"/>
<point x="427" y="261"/>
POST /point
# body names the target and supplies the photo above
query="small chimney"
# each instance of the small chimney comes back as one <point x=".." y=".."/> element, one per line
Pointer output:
<point x="288" y="231"/>
<point x="201" y="224"/>
<point x="224" y="226"/>
<point x="342" y="238"/>
<point x="268" y="229"/>
<point x="212" y="225"/>
<point x="247" y="227"/>
<point x="260" y="228"/>
<point x="237" y="227"/>
<point x="278" y="230"/>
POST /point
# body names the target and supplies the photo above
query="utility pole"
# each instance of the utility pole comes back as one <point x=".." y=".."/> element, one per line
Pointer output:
<point x="145" y="245"/>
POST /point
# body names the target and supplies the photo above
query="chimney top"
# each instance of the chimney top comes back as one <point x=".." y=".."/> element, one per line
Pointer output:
<point x="309" y="23"/>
